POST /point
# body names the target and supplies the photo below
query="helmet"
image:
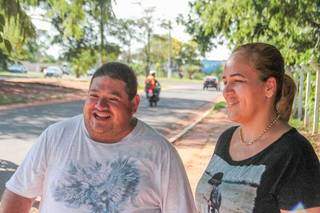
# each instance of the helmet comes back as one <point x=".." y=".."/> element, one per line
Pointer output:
<point x="152" y="72"/>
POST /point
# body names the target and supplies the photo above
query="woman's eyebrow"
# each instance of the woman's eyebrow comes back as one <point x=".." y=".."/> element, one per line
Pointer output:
<point x="234" y="75"/>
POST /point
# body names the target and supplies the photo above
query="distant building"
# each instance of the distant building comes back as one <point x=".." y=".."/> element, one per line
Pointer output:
<point x="209" y="66"/>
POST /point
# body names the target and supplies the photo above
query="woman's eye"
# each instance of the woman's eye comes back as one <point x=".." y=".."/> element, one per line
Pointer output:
<point x="238" y="80"/>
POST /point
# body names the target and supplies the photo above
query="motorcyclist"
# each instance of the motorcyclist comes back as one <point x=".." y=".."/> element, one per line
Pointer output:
<point x="152" y="88"/>
<point x="150" y="82"/>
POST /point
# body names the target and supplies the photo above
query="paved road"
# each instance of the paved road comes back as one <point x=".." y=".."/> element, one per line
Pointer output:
<point x="19" y="128"/>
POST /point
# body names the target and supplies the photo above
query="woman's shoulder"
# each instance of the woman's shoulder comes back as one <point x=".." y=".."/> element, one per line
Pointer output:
<point x="227" y="134"/>
<point x="225" y="137"/>
<point x="295" y="143"/>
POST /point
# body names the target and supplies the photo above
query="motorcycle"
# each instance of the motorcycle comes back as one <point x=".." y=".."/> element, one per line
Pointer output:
<point x="153" y="94"/>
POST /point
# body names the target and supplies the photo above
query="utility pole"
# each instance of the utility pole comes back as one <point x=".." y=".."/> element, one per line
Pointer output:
<point x="170" y="51"/>
<point x="168" y="25"/>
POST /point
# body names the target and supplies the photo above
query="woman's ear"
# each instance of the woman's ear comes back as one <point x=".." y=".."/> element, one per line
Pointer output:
<point x="270" y="87"/>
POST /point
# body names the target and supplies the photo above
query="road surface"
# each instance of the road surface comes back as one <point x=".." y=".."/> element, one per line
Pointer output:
<point x="19" y="128"/>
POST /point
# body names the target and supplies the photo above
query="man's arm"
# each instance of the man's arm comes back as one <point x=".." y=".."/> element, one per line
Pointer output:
<point x="176" y="192"/>
<point x="13" y="203"/>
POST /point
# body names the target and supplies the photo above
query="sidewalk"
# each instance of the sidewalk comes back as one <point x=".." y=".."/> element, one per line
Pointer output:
<point x="196" y="146"/>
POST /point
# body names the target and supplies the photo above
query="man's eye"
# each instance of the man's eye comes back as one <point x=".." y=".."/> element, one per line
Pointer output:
<point x="114" y="99"/>
<point x="93" y="95"/>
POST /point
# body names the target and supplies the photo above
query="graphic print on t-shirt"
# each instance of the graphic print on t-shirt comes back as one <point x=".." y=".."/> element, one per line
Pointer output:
<point x="100" y="187"/>
<point x="228" y="188"/>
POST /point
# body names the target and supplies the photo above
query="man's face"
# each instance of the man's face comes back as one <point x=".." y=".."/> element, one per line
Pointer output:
<point x="108" y="111"/>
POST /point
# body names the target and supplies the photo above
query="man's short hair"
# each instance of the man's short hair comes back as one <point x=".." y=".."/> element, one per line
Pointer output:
<point x="119" y="71"/>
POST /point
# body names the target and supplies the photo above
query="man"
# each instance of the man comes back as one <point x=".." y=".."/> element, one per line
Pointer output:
<point x="150" y="82"/>
<point x="105" y="160"/>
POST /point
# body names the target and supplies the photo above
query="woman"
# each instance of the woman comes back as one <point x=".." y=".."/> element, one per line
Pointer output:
<point x="263" y="165"/>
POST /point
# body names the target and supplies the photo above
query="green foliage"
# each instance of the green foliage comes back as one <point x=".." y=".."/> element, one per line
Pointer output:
<point x="219" y="105"/>
<point x="191" y="70"/>
<point x="6" y="99"/>
<point x="296" y="123"/>
<point x="138" y="68"/>
<point x="85" y="59"/>
<point x="292" y="26"/>
<point x="16" y="30"/>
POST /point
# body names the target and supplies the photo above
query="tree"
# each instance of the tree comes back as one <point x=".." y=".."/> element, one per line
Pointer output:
<point x="126" y="34"/>
<point x="13" y="15"/>
<point x="188" y="58"/>
<point x="146" y="25"/>
<point x="16" y="30"/>
<point x="166" y="24"/>
<point x="293" y="26"/>
<point x="101" y="10"/>
<point x="83" y="27"/>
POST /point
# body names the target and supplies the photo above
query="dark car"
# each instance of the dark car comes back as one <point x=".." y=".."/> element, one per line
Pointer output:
<point x="211" y="81"/>
<point x="17" y="68"/>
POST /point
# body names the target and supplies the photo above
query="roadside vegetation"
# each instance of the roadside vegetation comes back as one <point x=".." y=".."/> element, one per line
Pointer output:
<point x="12" y="92"/>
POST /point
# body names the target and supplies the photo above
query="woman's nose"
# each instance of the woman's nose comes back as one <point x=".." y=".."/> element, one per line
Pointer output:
<point x="227" y="88"/>
<point x="101" y="104"/>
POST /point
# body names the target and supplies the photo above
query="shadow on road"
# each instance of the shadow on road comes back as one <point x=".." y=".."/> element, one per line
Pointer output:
<point x="31" y="121"/>
<point x="7" y="169"/>
<point x="170" y="114"/>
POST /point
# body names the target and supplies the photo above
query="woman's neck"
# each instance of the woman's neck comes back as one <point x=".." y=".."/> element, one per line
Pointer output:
<point x="259" y="125"/>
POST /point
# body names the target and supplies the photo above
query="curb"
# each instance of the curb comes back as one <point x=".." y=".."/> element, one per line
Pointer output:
<point x="39" y="103"/>
<point x="189" y="127"/>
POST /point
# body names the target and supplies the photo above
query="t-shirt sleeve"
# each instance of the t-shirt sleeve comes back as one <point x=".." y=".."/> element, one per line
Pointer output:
<point x="176" y="193"/>
<point x="300" y="187"/>
<point x="28" y="179"/>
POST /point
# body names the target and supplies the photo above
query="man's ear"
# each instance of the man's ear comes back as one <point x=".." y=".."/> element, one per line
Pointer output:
<point x="270" y="87"/>
<point x="135" y="103"/>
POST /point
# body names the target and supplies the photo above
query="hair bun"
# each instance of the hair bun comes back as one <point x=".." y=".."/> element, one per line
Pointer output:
<point x="284" y="105"/>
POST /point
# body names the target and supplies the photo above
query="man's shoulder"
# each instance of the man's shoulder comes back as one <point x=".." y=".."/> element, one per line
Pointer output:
<point x="69" y="123"/>
<point x="152" y="136"/>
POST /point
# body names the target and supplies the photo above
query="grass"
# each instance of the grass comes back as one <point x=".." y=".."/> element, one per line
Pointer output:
<point x="296" y="123"/>
<point x="219" y="105"/>
<point x="21" y="75"/>
<point x="4" y="99"/>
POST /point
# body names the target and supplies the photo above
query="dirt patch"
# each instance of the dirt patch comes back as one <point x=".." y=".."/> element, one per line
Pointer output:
<point x="196" y="146"/>
<point x="15" y="93"/>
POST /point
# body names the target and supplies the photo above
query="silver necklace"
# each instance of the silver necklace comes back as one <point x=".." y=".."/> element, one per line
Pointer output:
<point x="271" y="124"/>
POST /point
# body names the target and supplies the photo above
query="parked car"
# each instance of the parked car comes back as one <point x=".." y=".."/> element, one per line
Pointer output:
<point x="17" y="68"/>
<point x="66" y="70"/>
<point x="211" y="81"/>
<point x="53" y="72"/>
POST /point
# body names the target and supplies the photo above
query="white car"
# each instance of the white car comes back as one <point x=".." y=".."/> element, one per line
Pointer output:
<point x="53" y="72"/>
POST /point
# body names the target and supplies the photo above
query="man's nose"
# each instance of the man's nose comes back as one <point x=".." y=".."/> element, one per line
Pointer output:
<point x="102" y="104"/>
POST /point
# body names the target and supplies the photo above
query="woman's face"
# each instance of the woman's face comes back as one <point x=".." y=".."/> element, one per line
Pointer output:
<point x="243" y="90"/>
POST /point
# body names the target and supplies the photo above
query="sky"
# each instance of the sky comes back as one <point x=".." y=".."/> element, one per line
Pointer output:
<point x="164" y="9"/>
<point x="169" y="10"/>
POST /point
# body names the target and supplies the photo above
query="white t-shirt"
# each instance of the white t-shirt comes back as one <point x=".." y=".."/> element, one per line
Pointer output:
<point x="72" y="173"/>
